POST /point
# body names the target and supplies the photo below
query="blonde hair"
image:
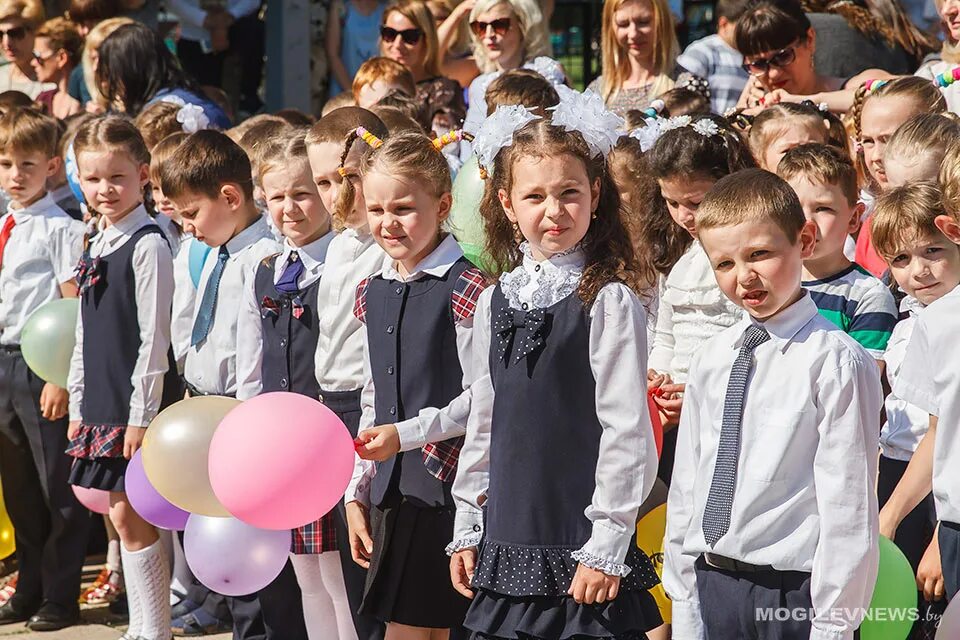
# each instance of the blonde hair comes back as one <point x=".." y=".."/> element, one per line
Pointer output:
<point x="533" y="31"/>
<point x="30" y="12"/>
<point x="616" y="66"/>
<point x="281" y="151"/>
<point x="163" y="151"/>
<point x="27" y="130"/>
<point x="752" y="195"/>
<point x="821" y="163"/>
<point x="92" y="43"/>
<point x="770" y="122"/>
<point x="904" y="215"/>
<point x="417" y="12"/>
<point x="922" y="138"/>
<point x="949" y="179"/>
<point x="413" y="156"/>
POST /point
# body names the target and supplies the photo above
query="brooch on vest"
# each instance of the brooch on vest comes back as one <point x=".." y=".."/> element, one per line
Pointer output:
<point x="270" y="307"/>
<point x="530" y="339"/>
<point x="88" y="272"/>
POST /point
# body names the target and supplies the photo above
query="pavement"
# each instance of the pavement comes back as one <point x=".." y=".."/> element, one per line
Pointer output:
<point x="97" y="623"/>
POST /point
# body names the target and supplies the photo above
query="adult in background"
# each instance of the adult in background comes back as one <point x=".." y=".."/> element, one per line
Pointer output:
<point x="639" y="49"/>
<point x="56" y="53"/>
<point x="408" y="35"/>
<point x="949" y="56"/>
<point x="208" y="35"/>
<point x="136" y="68"/>
<point x="352" y="37"/>
<point x="19" y="20"/>
<point x="716" y="59"/>
<point x="507" y="34"/>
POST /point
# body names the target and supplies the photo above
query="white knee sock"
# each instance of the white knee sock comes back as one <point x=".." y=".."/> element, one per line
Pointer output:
<point x="133" y="596"/>
<point x="325" y="608"/>
<point x="148" y="569"/>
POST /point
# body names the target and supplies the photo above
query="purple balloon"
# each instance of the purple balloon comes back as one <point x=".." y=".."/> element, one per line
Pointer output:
<point x="147" y="502"/>
<point x="949" y="628"/>
<point x="231" y="557"/>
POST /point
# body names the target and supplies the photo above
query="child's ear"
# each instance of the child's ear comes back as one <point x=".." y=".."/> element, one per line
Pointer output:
<point x="231" y="195"/>
<point x="445" y="204"/>
<point x="144" y="175"/>
<point x="855" y="218"/>
<point x="807" y="239"/>
<point x="595" y="195"/>
<point x="53" y="166"/>
<point x="949" y="227"/>
<point x="506" y="204"/>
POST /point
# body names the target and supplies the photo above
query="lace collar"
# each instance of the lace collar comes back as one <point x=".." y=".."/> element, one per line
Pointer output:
<point x="539" y="284"/>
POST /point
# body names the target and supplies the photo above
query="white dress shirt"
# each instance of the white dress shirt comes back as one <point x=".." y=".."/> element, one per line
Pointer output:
<point x="906" y="423"/>
<point x="692" y="309"/>
<point x="431" y="424"/>
<point x="249" y="324"/>
<point x="805" y="497"/>
<point x="211" y="366"/>
<point x="41" y="254"/>
<point x="930" y="378"/>
<point x="153" y="277"/>
<point x="184" y="300"/>
<point x="352" y="256"/>
<point x="627" y="462"/>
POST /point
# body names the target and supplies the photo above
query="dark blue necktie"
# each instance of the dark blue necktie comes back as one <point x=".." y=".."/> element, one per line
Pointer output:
<point x="208" y="305"/>
<point x="289" y="279"/>
<point x="716" y="514"/>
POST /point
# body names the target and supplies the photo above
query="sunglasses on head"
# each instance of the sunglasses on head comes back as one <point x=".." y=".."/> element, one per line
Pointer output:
<point x="780" y="59"/>
<point x="500" y="26"/>
<point x="15" y="33"/>
<point x="409" y="36"/>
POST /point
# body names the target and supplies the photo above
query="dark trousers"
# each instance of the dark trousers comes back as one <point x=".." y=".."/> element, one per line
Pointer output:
<point x="731" y="603"/>
<point x="248" y="40"/>
<point x="949" y="537"/>
<point x="346" y="404"/>
<point x="51" y="526"/>
<point x="916" y="530"/>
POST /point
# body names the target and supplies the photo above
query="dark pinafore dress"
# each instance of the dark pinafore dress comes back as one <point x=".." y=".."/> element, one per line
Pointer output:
<point x="111" y="345"/>
<point x="290" y="331"/>
<point x="411" y="332"/>
<point x="545" y="442"/>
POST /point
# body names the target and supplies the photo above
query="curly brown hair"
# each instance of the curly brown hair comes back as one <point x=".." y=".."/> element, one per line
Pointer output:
<point x="607" y="247"/>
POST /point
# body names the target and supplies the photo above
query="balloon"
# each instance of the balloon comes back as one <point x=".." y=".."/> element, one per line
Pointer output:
<point x="48" y="339"/>
<point x="197" y="256"/>
<point x="97" y="500"/>
<point x="8" y="543"/>
<point x="655" y="422"/>
<point x="895" y="593"/>
<point x="73" y="174"/>
<point x="231" y="557"/>
<point x="175" y="451"/>
<point x="949" y="628"/>
<point x="465" y="221"/>
<point x="650" y="532"/>
<point x="147" y="502"/>
<point x="302" y="453"/>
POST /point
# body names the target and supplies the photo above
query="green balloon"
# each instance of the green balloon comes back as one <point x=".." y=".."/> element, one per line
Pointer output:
<point x="894" y="597"/>
<point x="465" y="222"/>
<point x="48" y="339"/>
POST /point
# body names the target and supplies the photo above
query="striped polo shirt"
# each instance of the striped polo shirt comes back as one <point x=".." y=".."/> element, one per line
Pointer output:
<point x="858" y="303"/>
<point x="719" y="63"/>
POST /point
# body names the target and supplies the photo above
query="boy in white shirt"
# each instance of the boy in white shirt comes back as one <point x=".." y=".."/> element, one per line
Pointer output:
<point x="40" y="246"/>
<point x="772" y="499"/>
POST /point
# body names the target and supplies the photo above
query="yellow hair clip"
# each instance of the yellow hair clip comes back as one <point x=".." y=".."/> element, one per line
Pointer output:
<point x="369" y="138"/>
<point x="342" y="172"/>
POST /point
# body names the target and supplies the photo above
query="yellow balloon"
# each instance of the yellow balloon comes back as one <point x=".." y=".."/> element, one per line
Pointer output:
<point x="7" y="543"/>
<point x="175" y="451"/>
<point x="650" y="531"/>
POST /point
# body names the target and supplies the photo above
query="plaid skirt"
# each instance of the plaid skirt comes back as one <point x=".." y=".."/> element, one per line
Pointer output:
<point x="316" y="537"/>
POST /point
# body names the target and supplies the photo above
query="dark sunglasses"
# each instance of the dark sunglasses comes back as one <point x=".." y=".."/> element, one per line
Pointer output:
<point x="409" y="36"/>
<point x="40" y="59"/>
<point x="500" y="26"/>
<point x="16" y="33"/>
<point x="780" y="59"/>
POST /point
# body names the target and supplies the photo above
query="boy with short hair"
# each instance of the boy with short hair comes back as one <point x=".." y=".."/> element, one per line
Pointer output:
<point x="772" y="499"/>
<point x="846" y="294"/>
<point x="930" y="379"/>
<point x="40" y="246"/>
<point x="211" y="188"/>
<point x="716" y="57"/>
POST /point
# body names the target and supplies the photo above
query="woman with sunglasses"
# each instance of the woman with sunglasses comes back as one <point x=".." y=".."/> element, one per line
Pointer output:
<point x="507" y="34"/>
<point x="351" y="39"/>
<point x="778" y="46"/>
<point x="639" y="52"/>
<point x="408" y="35"/>
<point x="56" y="53"/>
<point x="18" y="25"/>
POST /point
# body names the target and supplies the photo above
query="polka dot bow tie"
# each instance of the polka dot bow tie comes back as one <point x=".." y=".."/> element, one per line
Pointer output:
<point x="522" y="330"/>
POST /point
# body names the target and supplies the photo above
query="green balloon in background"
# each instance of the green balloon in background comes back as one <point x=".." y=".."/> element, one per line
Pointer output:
<point x="48" y="339"/>
<point x="465" y="222"/>
<point x="893" y="598"/>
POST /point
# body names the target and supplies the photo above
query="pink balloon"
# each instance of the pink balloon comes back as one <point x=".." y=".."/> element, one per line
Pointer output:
<point x="280" y="460"/>
<point x="97" y="500"/>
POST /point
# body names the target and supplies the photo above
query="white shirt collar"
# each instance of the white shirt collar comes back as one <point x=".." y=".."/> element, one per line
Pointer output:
<point x="248" y="236"/>
<point x="784" y="326"/>
<point x="123" y="228"/>
<point x="911" y="305"/>
<point x="313" y="255"/>
<point x="436" y="264"/>
<point x="39" y="206"/>
<point x="571" y="258"/>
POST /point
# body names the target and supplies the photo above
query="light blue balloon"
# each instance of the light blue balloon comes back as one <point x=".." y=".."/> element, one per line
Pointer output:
<point x="196" y="259"/>
<point x="73" y="174"/>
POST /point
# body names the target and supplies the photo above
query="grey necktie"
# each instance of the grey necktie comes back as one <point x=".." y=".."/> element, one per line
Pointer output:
<point x="716" y="515"/>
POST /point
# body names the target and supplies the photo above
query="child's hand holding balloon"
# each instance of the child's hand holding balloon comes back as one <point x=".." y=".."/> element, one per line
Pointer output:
<point x="378" y="443"/>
